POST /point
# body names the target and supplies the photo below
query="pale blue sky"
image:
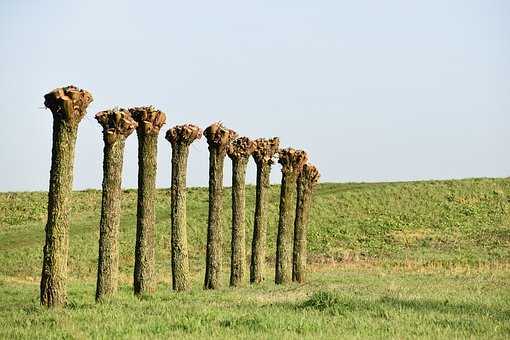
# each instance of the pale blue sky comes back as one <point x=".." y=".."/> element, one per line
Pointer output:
<point x="373" y="90"/>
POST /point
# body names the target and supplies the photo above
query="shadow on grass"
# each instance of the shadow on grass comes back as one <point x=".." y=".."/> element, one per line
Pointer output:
<point x="336" y="304"/>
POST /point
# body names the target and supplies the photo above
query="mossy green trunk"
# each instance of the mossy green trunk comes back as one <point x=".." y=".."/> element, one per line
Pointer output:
<point x="283" y="272"/>
<point x="143" y="276"/>
<point x="108" y="261"/>
<point x="180" y="263"/>
<point x="213" y="253"/>
<point x="238" y="252"/>
<point x="53" y="290"/>
<point x="303" y="205"/>
<point x="258" y="245"/>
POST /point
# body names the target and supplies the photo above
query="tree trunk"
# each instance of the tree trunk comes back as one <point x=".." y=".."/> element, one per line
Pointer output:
<point x="143" y="276"/>
<point x="258" y="246"/>
<point x="108" y="261"/>
<point x="214" y="253"/>
<point x="238" y="252"/>
<point x="68" y="106"/>
<point x="283" y="272"/>
<point x="54" y="273"/>
<point x="303" y="205"/>
<point x="306" y="181"/>
<point x="181" y="280"/>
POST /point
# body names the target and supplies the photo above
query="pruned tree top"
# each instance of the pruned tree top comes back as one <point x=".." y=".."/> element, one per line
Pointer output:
<point x="219" y="136"/>
<point x="149" y="119"/>
<point x="309" y="174"/>
<point x="183" y="134"/>
<point x="241" y="147"/>
<point x="265" y="149"/>
<point x="116" y="123"/>
<point x="68" y="103"/>
<point x="292" y="160"/>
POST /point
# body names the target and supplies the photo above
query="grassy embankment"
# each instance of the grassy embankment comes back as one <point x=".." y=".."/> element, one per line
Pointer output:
<point x="421" y="259"/>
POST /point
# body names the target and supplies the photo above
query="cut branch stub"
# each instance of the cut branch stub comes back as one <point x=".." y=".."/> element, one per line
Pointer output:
<point x="309" y="175"/>
<point x="68" y="103"/>
<point x="241" y="147"/>
<point x="150" y="120"/>
<point x="292" y="160"/>
<point x="265" y="150"/>
<point x="117" y="123"/>
<point x="219" y="136"/>
<point x="183" y="134"/>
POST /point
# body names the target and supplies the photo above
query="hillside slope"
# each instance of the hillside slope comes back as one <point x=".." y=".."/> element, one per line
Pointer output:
<point x="392" y="260"/>
<point x="437" y="223"/>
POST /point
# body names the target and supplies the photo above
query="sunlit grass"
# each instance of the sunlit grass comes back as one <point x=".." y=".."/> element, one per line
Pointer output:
<point x="398" y="260"/>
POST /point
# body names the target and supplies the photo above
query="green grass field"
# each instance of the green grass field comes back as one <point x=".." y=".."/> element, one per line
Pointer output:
<point x="399" y="260"/>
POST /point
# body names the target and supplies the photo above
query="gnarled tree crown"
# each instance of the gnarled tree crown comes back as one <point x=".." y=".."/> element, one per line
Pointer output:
<point x="183" y="134"/>
<point x="265" y="150"/>
<point x="309" y="174"/>
<point x="117" y="123"/>
<point x="292" y="160"/>
<point x="240" y="148"/>
<point x="219" y="136"/>
<point x="149" y="119"/>
<point x="68" y="103"/>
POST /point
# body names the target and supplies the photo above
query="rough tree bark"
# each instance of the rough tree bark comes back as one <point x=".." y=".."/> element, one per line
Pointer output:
<point x="117" y="126"/>
<point x="306" y="181"/>
<point x="265" y="150"/>
<point x="181" y="138"/>
<point x="68" y="106"/>
<point x="218" y="138"/>
<point x="150" y="121"/>
<point x="292" y="162"/>
<point x="239" y="151"/>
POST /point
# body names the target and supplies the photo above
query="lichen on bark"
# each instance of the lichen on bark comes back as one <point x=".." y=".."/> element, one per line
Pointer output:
<point x="218" y="138"/>
<point x="239" y="152"/>
<point x="263" y="154"/>
<point x="68" y="106"/>
<point x="307" y="179"/>
<point x="117" y="126"/>
<point x="292" y="162"/>
<point x="180" y="137"/>
<point x="150" y="120"/>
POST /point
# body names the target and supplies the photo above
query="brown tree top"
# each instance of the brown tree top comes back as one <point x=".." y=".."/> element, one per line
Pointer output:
<point x="265" y="150"/>
<point x="292" y="160"/>
<point x="116" y="123"/>
<point x="149" y="119"/>
<point x="241" y="147"/>
<point x="309" y="174"/>
<point x="68" y="103"/>
<point x="183" y="134"/>
<point x="219" y="136"/>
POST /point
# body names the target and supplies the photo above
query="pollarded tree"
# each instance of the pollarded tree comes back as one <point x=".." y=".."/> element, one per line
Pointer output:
<point x="239" y="151"/>
<point x="181" y="138"/>
<point x="68" y="106"/>
<point x="292" y="162"/>
<point x="265" y="150"/>
<point x="218" y="138"/>
<point x="306" y="182"/>
<point x="150" y="121"/>
<point x="117" y="126"/>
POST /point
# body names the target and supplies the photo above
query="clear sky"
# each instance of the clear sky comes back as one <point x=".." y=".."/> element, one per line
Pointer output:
<point x="373" y="90"/>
